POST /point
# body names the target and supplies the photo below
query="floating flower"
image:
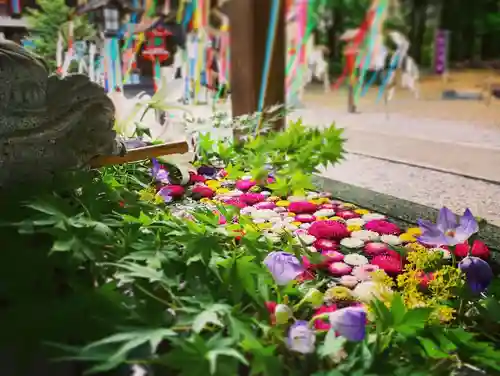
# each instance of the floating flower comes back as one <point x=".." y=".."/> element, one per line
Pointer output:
<point x="244" y="185"/>
<point x="325" y="245"/>
<point x="355" y="222"/>
<point x="447" y="231"/>
<point x="367" y="291"/>
<point x="159" y="173"/>
<point x="391" y="239"/>
<point x="305" y="237"/>
<point x="332" y="256"/>
<point x="349" y="322"/>
<point x="364" y="272"/>
<point x="305" y="276"/>
<point x="302" y="207"/>
<point x="373" y="217"/>
<point x="339" y="268"/>
<point x="352" y="228"/>
<point x="390" y="264"/>
<point x="195" y="178"/>
<point x="415" y="231"/>
<point x="407" y="238"/>
<point x="382" y="227"/>
<point x="352" y="243"/>
<point x="305" y="218"/>
<point x="347" y="214"/>
<point x="324" y="213"/>
<point x="284" y="266"/>
<point x="477" y="272"/>
<point x="328" y="230"/>
<point x="174" y="191"/>
<point x="348" y="281"/>
<point x="375" y="248"/>
<point x="265" y="205"/>
<point x="478" y="249"/>
<point x="266" y="214"/>
<point x="234" y="201"/>
<point x="301" y="338"/>
<point x="296" y="198"/>
<point x="361" y="211"/>
<point x="202" y="192"/>
<point x="207" y="171"/>
<point x="338" y="293"/>
<point x="354" y="259"/>
<point x="252" y="198"/>
<point x="365" y="235"/>
<point x="321" y="324"/>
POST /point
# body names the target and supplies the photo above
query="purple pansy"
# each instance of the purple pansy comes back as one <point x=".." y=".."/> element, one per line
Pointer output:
<point x="349" y="322"/>
<point x="284" y="266"/>
<point x="447" y="230"/>
<point x="165" y="194"/>
<point x="158" y="173"/>
<point x="301" y="338"/>
<point x="477" y="272"/>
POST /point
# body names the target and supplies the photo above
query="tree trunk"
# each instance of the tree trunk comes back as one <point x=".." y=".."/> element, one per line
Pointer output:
<point x="419" y="20"/>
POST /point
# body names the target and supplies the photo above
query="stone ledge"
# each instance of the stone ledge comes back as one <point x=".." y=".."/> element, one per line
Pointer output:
<point x="403" y="212"/>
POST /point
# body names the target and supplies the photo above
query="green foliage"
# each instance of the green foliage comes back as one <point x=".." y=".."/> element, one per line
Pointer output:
<point x="292" y="156"/>
<point x="52" y="18"/>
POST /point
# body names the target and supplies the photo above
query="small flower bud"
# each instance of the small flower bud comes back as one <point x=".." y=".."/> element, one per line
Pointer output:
<point x="283" y="313"/>
<point x="315" y="297"/>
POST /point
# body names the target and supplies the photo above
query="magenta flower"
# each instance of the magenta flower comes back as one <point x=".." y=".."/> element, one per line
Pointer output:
<point x="301" y="338"/>
<point x="349" y="322"/>
<point x="447" y="231"/>
<point x="477" y="272"/>
<point x="158" y="173"/>
<point x="284" y="267"/>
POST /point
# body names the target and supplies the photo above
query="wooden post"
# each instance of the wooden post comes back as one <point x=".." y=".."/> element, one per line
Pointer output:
<point x="249" y="24"/>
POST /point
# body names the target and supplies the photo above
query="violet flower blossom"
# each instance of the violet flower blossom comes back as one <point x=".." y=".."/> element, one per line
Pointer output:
<point x="158" y="173"/>
<point x="349" y="322"/>
<point x="164" y="193"/>
<point x="477" y="272"/>
<point x="447" y="231"/>
<point x="284" y="266"/>
<point x="301" y="338"/>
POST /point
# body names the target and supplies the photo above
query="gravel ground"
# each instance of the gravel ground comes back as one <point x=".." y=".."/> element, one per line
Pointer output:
<point x="426" y="187"/>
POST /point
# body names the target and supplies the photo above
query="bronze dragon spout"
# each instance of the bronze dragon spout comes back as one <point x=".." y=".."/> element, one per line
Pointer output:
<point x="49" y="124"/>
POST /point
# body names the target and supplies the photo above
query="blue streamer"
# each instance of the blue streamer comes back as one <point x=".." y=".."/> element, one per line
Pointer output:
<point x="392" y="68"/>
<point x="369" y="84"/>
<point x="271" y="33"/>
<point x="188" y="14"/>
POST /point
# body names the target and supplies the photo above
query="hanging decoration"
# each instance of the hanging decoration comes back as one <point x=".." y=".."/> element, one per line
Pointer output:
<point x="156" y="51"/>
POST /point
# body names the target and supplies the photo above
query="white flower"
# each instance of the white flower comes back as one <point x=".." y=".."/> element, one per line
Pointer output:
<point x="306" y="238"/>
<point x="369" y="290"/>
<point x="279" y="209"/>
<point x="324" y="213"/>
<point x="248" y="210"/>
<point x="348" y="281"/>
<point x="263" y="214"/>
<point x="364" y="272"/>
<point x="352" y="243"/>
<point x="312" y="249"/>
<point x="247" y="177"/>
<point x="273" y="237"/>
<point x="365" y="235"/>
<point x="291" y="227"/>
<point x="312" y="196"/>
<point x="296" y="198"/>
<point x="355" y="222"/>
<point x="391" y="239"/>
<point x="259" y="220"/>
<point x="234" y="193"/>
<point x="373" y="216"/>
<point x="355" y="259"/>
<point x="305" y="226"/>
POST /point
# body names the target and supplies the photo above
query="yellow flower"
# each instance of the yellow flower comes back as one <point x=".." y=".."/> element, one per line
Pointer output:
<point x="149" y="195"/>
<point x="321" y="218"/>
<point x="290" y="214"/>
<point x="444" y="314"/>
<point x="337" y="219"/>
<point x="354" y="227"/>
<point x="283" y="203"/>
<point x="222" y="191"/>
<point x="338" y="293"/>
<point x="415" y="246"/>
<point x="206" y="200"/>
<point x="416" y="231"/>
<point x="348" y="205"/>
<point x="296" y="223"/>
<point x="316" y="201"/>
<point x="273" y="198"/>
<point x="407" y="237"/>
<point x="381" y="277"/>
<point x="361" y="211"/>
<point x="213" y="183"/>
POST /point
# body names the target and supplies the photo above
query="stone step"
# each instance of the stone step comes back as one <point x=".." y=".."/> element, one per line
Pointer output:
<point x="462" y="159"/>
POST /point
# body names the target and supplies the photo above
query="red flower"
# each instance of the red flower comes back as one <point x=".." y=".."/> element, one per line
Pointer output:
<point x="382" y="227"/>
<point x="329" y="230"/>
<point x="202" y="191"/>
<point x="425" y="278"/>
<point x="479" y="249"/>
<point x="175" y="191"/>
<point x="307" y="263"/>
<point x="347" y="214"/>
<point x="322" y="324"/>
<point x="305" y="276"/>
<point x="302" y="207"/>
<point x="376" y="248"/>
<point x="122" y="204"/>
<point x="195" y="178"/>
<point x="391" y="265"/>
<point x="325" y="245"/>
<point x="271" y="308"/>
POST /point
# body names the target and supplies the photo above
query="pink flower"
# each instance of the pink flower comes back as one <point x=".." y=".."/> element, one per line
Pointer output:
<point x="332" y="256"/>
<point x="479" y="249"/>
<point x="244" y="185"/>
<point x="328" y="206"/>
<point x="347" y="214"/>
<point x="339" y="268"/>
<point x="329" y="230"/>
<point x="363" y="272"/>
<point x="375" y="248"/>
<point x="265" y="205"/>
<point x="302" y="207"/>
<point x="305" y="276"/>
<point x="325" y="245"/>
<point x="382" y="227"/>
<point x="201" y="191"/>
<point x="174" y="191"/>
<point x="234" y="201"/>
<point x="390" y="264"/>
<point x="252" y="198"/>
<point x="320" y="324"/>
<point x="307" y="263"/>
<point x="305" y="218"/>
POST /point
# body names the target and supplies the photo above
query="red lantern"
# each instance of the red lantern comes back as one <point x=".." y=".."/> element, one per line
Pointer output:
<point x="156" y="45"/>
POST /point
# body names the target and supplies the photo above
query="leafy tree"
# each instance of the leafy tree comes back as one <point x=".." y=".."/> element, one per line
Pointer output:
<point x="53" y="17"/>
